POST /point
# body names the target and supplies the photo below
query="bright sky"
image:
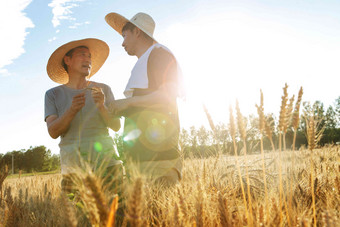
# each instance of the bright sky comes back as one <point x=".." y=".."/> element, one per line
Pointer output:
<point x="227" y="49"/>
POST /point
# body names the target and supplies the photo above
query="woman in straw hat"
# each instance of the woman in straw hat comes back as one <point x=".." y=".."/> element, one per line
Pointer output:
<point x="151" y="128"/>
<point x="76" y="111"/>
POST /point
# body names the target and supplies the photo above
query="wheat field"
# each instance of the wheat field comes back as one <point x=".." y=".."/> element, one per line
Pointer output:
<point x="274" y="188"/>
<point x="210" y="194"/>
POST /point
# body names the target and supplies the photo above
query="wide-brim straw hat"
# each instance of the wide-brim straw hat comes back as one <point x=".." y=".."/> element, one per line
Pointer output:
<point x="99" y="52"/>
<point x="142" y="21"/>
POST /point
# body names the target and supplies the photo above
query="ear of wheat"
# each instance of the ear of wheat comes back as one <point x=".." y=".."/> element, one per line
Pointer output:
<point x="314" y="130"/>
<point x="240" y="123"/>
<point x="213" y="128"/>
<point x="260" y="111"/>
<point x="282" y="118"/>
<point x="296" y="115"/>
<point x="269" y="132"/>
<point x="287" y="119"/>
<point x="232" y="127"/>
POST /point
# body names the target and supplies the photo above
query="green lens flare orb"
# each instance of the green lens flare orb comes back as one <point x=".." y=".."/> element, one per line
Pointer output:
<point x="98" y="146"/>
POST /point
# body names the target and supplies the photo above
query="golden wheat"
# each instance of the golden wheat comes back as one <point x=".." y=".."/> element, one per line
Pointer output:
<point x="220" y="198"/>
<point x="296" y="115"/>
<point x="211" y="192"/>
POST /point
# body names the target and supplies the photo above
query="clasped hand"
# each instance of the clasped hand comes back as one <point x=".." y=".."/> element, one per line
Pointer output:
<point x="78" y="101"/>
<point x="98" y="96"/>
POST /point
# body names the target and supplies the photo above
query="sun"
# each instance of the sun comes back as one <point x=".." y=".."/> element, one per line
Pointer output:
<point x="226" y="58"/>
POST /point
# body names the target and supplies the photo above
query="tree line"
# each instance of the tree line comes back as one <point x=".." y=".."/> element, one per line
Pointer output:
<point x="37" y="159"/>
<point x="203" y="142"/>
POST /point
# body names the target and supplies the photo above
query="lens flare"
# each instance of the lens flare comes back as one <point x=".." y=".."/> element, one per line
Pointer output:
<point x="155" y="134"/>
<point x="98" y="146"/>
<point x="134" y="134"/>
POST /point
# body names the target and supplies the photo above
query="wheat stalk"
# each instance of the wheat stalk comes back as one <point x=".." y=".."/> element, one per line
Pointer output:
<point x="212" y="126"/>
<point x="282" y="117"/>
<point x="233" y="135"/>
<point x="312" y="187"/>
<point x="92" y="183"/>
<point x="134" y="204"/>
<point x="111" y="218"/>
<point x="287" y="117"/>
<point x="69" y="212"/>
<point x="281" y="125"/>
<point x="243" y="134"/>
<point x="211" y="123"/>
<point x="223" y="210"/>
<point x="313" y="130"/>
<point x="296" y="115"/>
<point x="3" y="175"/>
<point x="240" y="123"/>
<point x="199" y="205"/>
<point x="268" y="131"/>
<point x="260" y="111"/>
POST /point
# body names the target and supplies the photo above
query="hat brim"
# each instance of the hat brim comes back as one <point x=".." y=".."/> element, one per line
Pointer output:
<point x="117" y="22"/>
<point x="99" y="52"/>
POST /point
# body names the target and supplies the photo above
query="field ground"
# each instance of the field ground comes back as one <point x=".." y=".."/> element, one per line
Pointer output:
<point x="17" y="175"/>
<point x="211" y="193"/>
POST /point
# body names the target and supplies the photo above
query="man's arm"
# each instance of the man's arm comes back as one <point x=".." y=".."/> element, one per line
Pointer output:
<point x="111" y="121"/>
<point x="161" y="65"/>
<point x="57" y="126"/>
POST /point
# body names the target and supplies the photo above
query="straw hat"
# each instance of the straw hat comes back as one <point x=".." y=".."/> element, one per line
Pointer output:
<point x="99" y="52"/>
<point x="141" y="20"/>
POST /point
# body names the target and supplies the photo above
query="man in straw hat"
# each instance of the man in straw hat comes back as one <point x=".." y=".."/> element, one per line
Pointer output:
<point x="76" y="111"/>
<point x="151" y="128"/>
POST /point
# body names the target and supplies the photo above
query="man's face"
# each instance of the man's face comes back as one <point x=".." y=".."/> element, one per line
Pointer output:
<point x="79" y="62"/>
<point x="129" y="42"/>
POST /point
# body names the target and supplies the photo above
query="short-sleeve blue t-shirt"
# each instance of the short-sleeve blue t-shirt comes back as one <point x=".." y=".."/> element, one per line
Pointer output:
<point x="88" y="136"/>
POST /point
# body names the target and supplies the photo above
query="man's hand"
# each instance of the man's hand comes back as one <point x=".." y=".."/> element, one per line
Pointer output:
<point x="56" y="125"/>
<point x="98" y="97"/>
<point x="78" y="102"/>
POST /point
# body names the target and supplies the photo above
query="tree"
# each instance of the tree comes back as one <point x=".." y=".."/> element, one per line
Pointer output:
<point x="330" y="118"/>
<point x="222" y="136"/>
<point x="319" y="113"/>
<point x="7" y="160"/>
<point x="193" y="139"/>
<point x="202" y="136"/>
<point x="47" y="164"/>
<point x="331" y="133"/>
<point x="55" y="162"/>
<point x="183" y="138"/>
<point x="36" y="158"/>
<point x="337" y="110"/>
<point x="19" y="161"/>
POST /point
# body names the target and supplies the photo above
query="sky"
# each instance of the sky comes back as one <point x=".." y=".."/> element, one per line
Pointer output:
<point x="227" y="50"/>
